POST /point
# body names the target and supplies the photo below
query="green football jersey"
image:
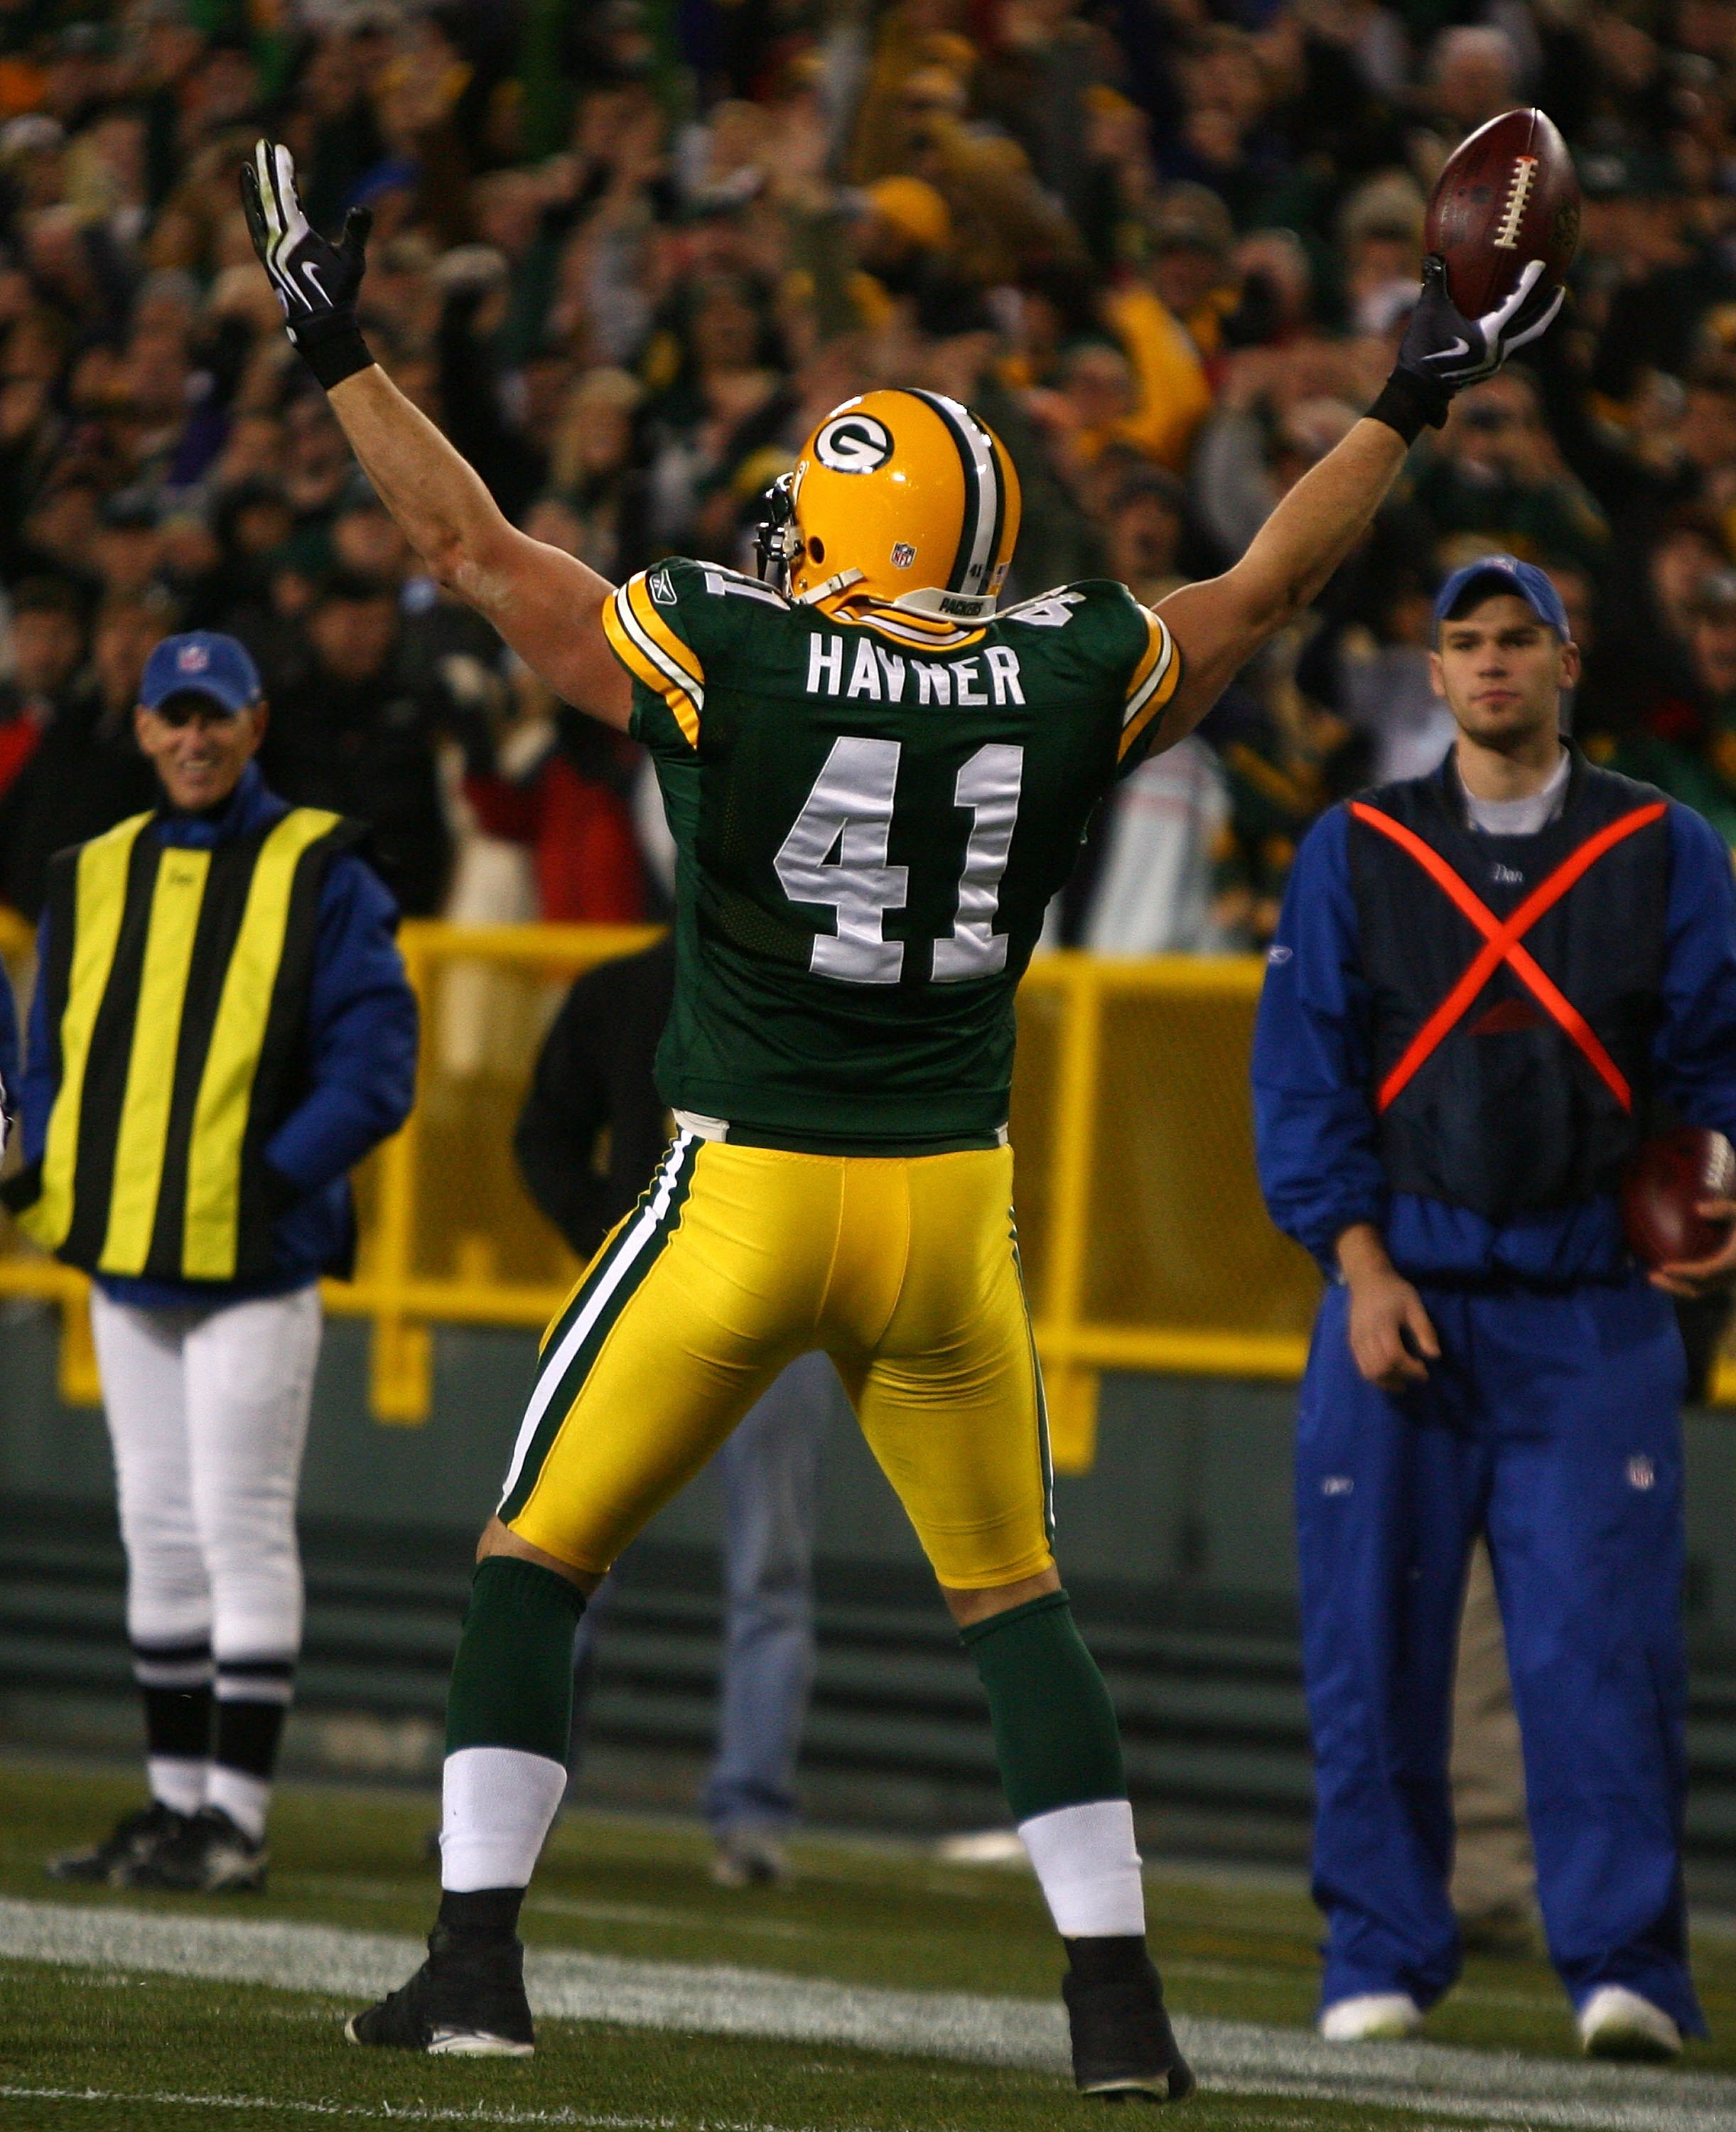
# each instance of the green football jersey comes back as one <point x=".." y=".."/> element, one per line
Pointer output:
<point x="872" y="813"/>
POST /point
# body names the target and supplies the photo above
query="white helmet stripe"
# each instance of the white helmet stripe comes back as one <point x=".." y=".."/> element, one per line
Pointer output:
<point x="971" y="572"/>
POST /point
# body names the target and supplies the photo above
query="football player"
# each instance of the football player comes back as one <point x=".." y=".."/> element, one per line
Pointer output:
<point x="876" y="781"/>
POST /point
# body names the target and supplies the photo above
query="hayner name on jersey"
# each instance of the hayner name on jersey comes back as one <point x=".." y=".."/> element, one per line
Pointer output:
<point x="991" y="677"/>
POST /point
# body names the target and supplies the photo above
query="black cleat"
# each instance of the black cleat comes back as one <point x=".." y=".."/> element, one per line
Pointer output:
<point x="208" y="1855"/>
<point x="133" y="1842"/>
<point x="465" y="2002"/>
<point x="1123" y="2043"/>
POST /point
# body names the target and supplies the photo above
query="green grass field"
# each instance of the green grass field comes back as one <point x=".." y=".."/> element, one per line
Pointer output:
<point x="97" y="2049"/>
<point x="219" y="2057"/>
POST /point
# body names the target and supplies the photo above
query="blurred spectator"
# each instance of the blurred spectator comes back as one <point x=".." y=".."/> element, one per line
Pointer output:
<point x="1170" y="321"/>
<point x="593" y="469"/>
<point x="127" y="549"/>
<point x="722" y="404"/>
<point x="47" y="645"/>
<point x="353" y="731"/>
<point x="1373" y="672"/>
<point x="1473" y="74"/>
<point x="85" y="772"/>
<point x="1173" y="242"/>
<point x="1168" y="825"/>
<point x="1259" y="444"/>
<point x="1496" y="473"/>
<point x="1697" y="762"/>
<point x="1639" y="678"/>
<point x="1380" y="242"/>
<point x="1038" y="85"/>
<point x="558" y="786"/>
<point x="1144" y="532"/>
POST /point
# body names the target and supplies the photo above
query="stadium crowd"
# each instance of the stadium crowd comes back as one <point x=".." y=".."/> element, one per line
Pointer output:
<point x="627" y="252"/>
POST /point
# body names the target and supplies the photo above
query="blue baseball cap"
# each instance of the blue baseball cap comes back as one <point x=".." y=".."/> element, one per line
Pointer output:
<point x="201" y="664"/>
<point x="1505" y="574"/>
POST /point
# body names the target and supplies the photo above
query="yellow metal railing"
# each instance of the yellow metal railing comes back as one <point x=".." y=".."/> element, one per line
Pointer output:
<point x="1142" y="1238"/>
<point x="1143" y="1242"/>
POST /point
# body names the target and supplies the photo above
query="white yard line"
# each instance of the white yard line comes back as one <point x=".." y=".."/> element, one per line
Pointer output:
<point x="417" y="2113"/>
<point x="378" y="2113"/>
<point x="391" y="2113"/>
<point x="1234" y="2057"/>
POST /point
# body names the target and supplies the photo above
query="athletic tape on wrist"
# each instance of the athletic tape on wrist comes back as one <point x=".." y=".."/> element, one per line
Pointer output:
<point x="339" y="352"/>
<point x="1410" y="404"/>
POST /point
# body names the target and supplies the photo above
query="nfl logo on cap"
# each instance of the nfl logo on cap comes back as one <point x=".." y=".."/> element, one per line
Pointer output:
<point x="202" y="663"/>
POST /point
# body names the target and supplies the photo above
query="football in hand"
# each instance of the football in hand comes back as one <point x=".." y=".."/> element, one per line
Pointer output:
<point x="1508" y="194"/>
<point x="1662" y="1190"/>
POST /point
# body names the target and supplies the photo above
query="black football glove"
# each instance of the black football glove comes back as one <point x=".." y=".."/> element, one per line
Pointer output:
<point x="1443" y="351"/>
<point x="316" y="283"/>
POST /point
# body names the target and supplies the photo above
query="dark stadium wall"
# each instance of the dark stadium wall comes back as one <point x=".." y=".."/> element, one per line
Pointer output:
<point x="1176" y="1546"/>
<point x="1191" y="1484"/>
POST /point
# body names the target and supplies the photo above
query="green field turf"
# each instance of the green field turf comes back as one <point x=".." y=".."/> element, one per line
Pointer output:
<point x="91" y="2053"/>
<point x="858" y="1913"/>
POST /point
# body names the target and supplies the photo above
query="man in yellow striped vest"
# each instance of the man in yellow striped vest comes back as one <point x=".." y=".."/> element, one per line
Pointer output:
<point x="222" y="1029"/>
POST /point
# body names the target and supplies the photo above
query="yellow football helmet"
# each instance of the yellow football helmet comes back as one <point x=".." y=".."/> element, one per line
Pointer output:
<point x="898" y="495"/>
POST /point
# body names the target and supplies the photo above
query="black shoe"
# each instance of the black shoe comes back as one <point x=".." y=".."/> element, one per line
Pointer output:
<point x="135" y="1839"/>
<point x="1123" y="2043"/>
<point x="465" y="2001"/>
<point x="208" y="1855"/>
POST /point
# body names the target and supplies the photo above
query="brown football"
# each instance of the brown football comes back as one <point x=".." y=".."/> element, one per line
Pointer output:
<point x="1663" y="1185"/>
<point x="1508" y="194"/>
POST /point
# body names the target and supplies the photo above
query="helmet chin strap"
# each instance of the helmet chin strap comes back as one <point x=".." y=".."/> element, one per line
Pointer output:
<point x="931" y="599"/>
<point x="953" y="607"/>
<point x="827" y="586"/>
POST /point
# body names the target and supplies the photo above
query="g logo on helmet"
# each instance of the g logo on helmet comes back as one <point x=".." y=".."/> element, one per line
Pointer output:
<point x="853" y="443"/>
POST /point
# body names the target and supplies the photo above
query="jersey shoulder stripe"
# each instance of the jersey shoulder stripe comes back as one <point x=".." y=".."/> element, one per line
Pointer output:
<point x="905" y="625"/>
<point x="721" y="583"/>
<point x="654" y="655"/>
<point x="1153" y="682"/>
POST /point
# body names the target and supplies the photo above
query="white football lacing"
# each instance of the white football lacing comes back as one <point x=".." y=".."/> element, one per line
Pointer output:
<point x="1519" y="191"/>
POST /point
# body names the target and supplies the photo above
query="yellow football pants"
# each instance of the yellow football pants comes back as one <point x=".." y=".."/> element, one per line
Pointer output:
<point x="738" y="1259"/>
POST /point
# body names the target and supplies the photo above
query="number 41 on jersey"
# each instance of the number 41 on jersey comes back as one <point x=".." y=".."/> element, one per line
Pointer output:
<point x="836" y="856"/>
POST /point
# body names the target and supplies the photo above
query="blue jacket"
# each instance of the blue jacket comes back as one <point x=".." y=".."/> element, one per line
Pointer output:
<point x="1315" y="1125"/>
<point x="362" y="1051"/>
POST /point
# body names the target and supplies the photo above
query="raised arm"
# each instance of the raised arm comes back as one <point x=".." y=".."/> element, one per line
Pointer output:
<point x="1218" y="624"/>
<point x="545" y="603"/>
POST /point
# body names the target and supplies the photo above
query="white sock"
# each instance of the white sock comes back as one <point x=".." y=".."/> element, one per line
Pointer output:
<point x="1088" y="1867"/>
<point x="243" y="1797"/>
<point x="496" y="1803"/>
<point x="177" y="1782"/>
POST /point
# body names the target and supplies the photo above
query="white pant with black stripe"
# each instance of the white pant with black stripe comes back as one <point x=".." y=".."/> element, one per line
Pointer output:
<point x="207" y="1413"/>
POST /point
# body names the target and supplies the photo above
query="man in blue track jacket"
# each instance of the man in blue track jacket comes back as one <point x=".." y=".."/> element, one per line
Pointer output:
<point x="222" y="1029"/>
<point x="1485" y="983"/>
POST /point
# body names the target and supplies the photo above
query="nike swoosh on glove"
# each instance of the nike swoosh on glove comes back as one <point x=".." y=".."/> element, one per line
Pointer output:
<point x="1446" y="348"/>
<point x="316" y="282"/>
<point x="1443" y="351"/>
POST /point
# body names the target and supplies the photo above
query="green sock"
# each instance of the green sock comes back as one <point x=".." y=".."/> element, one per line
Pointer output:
<point x="1055" y="1732"/>
<point x="512" y="1677"/>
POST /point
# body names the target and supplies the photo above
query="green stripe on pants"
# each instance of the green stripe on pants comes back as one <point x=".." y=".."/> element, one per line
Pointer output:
<point x="587" y="1321"/>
